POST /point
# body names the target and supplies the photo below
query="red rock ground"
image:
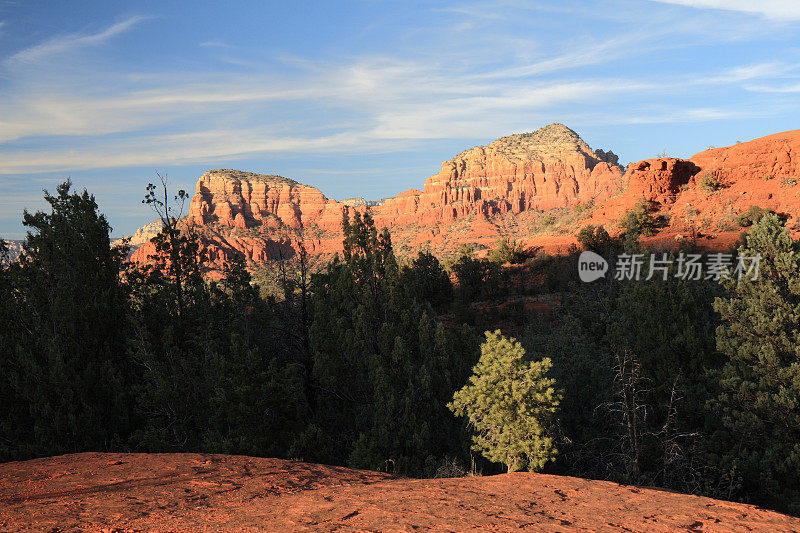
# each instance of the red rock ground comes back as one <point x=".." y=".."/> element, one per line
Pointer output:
<point x="198" y="492"/>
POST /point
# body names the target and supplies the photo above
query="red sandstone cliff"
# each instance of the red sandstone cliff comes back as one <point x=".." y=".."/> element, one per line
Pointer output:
<point x="242" y="200"/>
<point x="514" y="187"/>
<point x="258" y="215"/>
<point x="708" y="192"/>
<point x="551" y="167"/>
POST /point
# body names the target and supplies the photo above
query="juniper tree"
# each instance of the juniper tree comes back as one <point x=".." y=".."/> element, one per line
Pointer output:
<point x="213" y="373"/>
<point x="63" y="373"/>
<point x="760" y="399"/>
<point x="511" y="403"/>
<point x="384" y="366"/>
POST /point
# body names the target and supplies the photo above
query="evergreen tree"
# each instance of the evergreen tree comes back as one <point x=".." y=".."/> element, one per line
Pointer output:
<point x="213" y="372"/>
<point x="760" y="399"/>
<point x="63" y="375"/>
<point x="511" y="404"/>
<point x="476" y="278"/>
<point x="662" y="347"/>
<point x="426" y="280"/>
<point x="384" y="367"/>
<point x="639" y="220"/>
<point x="595" y="238"/>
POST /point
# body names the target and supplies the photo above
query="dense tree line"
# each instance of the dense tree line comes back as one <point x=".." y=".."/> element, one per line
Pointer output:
<point x="377" y="363"/>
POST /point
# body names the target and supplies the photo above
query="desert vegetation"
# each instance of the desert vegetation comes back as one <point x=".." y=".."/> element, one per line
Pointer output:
<point x="690" y="385"/>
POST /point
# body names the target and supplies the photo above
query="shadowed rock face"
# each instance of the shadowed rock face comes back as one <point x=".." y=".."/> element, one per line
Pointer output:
<point x="200" y="492"/>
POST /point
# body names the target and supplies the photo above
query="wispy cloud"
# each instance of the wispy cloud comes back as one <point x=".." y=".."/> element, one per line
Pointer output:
<point x="782" y="89"/>
<point x="90" y="116"/>
<point x="752" y="71"/>
<point x="688" y="116"/>
<point x="65" y="43"/>
<point x="788" y="10"/>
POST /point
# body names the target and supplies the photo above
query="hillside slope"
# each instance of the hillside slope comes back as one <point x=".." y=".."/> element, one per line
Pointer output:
<point x="196" y="492"/>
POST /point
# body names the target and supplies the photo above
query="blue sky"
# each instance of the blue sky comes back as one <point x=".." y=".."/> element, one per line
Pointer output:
<point x="368" y="97"/>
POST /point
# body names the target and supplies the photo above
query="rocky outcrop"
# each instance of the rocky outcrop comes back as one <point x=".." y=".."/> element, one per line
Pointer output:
<point x="500" y="190"/>
<point x="774" y="156"/>
<point x="706" y="193"/>
<point x="245" y="200"/>
<point x="205" y="492"/>
<point x="658" y="180"/>
<point x="551" y="167"/>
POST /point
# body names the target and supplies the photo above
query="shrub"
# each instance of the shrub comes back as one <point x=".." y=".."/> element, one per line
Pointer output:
<point x="710" y="183"/>
<point x="752" y="215"/>
<point x="509" y="251"/>
<point x="476" y="278"/>
<point x="594" y="238"/>
<point x="639" y="220"/>
<point x="549" y="219"/>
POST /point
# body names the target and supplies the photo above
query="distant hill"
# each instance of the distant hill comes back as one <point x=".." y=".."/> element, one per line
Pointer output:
<point x="539" y="188"/>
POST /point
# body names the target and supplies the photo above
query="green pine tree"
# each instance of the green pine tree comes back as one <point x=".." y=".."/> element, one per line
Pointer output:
<point x="511" y="403"/>
<point x="63" y="373"/>
<point x="760" y="399"/>
<point x="384" y="366"/>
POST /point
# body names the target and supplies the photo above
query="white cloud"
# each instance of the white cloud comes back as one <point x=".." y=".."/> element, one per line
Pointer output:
<point x="771" y="9"/>
<point x="65" y="43"/>
<point x="88" y="116"/>
<point x="687" y="116"/>
<point x="784" y="89"/>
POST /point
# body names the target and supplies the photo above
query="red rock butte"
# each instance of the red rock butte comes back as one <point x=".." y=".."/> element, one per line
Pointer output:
<point x="538" y="187"/>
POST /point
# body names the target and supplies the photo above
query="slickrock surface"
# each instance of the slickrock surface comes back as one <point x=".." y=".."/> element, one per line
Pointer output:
<point x="196" y="492"/>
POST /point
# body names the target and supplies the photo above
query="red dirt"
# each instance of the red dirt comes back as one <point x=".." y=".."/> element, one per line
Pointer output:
<point x="198" y="492"/>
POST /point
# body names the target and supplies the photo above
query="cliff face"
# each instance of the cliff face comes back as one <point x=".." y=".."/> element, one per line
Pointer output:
<point x="263" y="217"/>
<point x="243" y="200"/>
<point x="551" y="167"/>
<point x="503" y="190"/>
<point x="266" y="216"/>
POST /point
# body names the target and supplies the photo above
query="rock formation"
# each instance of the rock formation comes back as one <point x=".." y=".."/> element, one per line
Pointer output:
<point x="551" y="167"/>
<point x="502" y="190"/>
<point x="658" y="180"/>
<point x="243" y="200"/>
